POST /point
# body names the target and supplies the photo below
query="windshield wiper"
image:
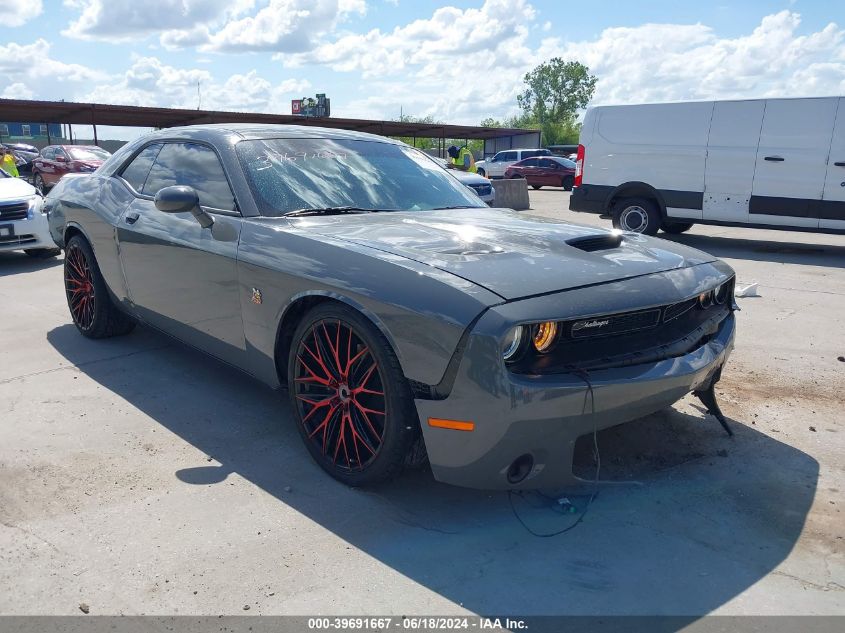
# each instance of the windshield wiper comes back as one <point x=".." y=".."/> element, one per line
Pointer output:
<point x="464" y="206"/>
<point x="332" y="211"/>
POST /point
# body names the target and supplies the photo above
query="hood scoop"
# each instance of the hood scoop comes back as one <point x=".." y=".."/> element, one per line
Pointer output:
<point x="599" y="242"/>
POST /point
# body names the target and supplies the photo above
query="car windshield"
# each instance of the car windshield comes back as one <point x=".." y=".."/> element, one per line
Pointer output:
<point x="88" y="153"/>
<point x="288" y="175"/>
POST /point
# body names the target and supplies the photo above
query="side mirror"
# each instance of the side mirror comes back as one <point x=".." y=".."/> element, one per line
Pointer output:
<point x="61" y="159"/>
<point x="180" y="199"/>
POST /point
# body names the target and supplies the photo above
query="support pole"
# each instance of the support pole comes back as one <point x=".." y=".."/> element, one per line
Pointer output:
<point x="70" y="133"/>
<point x="49" y="142"/>
<point x="95" y="134"/>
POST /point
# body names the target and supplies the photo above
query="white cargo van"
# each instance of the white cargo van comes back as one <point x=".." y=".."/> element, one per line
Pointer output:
<point x="773" y="163"/>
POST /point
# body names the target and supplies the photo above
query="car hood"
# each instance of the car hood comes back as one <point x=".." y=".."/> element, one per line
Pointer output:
<point x="469" y="178"/>
<point x="15" y="189"/>
<point x="511" y="254"/>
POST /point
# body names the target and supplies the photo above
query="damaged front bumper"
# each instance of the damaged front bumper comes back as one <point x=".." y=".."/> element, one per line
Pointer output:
<point x="541" y="416"/>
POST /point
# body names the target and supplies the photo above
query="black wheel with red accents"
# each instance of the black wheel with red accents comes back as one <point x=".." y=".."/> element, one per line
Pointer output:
<point x="91" y="307"/>
<point x="352" y="404"/>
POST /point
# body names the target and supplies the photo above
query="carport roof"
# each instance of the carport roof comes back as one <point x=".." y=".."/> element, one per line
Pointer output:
<point x="15" y="110"/>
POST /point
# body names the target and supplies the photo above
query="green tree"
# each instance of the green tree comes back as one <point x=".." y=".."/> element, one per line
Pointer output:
<point x="555" y="91"/>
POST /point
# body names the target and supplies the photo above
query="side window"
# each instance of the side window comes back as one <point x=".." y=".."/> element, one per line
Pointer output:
<point x="548" y="164"/>
<point x="498" y="157"/>
<point x="135" y="173"/>
<point x="510" y="156"/>
<point x="48" y="153"/>
<point x="196" y="166"/>
<point x="531" y="162"/>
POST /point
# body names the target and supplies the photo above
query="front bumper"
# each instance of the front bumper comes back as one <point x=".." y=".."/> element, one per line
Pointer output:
<point x="28" y="233"/>
<point x="542" y="416"/>
<point x="589" y="199"/>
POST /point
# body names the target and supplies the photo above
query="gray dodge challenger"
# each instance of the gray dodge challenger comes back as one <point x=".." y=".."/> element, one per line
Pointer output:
<point x="406" y="318"/>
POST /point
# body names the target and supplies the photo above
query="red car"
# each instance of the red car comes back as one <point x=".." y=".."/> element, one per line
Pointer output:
<point x="57" y="160"/>
<point x="554" y="171"/>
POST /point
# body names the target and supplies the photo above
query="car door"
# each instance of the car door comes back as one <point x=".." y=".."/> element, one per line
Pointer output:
<point x="832" y="213"/>
<point x="45" y="163"/>
<point x="181" y="277"/>
<point x="60" y="166"/>
<point x="731" y="156"/>
<point x="529" y="168"/>
<point x="792" y="161"/>
<point x="503" y="161"/>
<point x="550" y="172"/>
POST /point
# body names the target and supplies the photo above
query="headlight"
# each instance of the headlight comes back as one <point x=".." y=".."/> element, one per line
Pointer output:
<point x="513" y="343"/>
<point x="722" y="292"/>
<point x="705" y="299"/>
<point x="545" y="335"/>
<point x="36" y="203"/>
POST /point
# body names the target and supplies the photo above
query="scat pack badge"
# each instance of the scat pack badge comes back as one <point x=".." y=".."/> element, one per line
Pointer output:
<point x="256" y="296"/>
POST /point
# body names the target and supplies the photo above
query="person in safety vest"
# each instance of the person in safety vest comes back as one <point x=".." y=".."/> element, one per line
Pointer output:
<point x="7" y="162"/>
<point x="462" y="159"/>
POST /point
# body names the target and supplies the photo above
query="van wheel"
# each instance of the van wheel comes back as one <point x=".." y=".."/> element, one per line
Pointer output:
<point x="676" y="228"/>
<point x="637" y="215"/>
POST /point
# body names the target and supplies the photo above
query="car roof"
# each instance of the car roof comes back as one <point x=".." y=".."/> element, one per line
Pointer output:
<point x="255" y="131"/>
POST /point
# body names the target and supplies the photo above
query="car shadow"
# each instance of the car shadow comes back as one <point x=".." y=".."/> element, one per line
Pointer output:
<point x="815" y="254"/>
<point x="15" y="262"/>
<point x="696" y="519"/>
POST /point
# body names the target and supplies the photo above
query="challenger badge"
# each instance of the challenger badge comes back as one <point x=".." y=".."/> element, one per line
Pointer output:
<point x="256" y="296"/>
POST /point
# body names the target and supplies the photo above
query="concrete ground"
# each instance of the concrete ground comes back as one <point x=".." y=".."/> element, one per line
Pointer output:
<point x="137" y="476"/>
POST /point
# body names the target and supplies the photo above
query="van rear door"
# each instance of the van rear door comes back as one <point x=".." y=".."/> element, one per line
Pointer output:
<point x="832" y="215"/>
<point x="731" y="154"/>
<point x="792" y="161"/>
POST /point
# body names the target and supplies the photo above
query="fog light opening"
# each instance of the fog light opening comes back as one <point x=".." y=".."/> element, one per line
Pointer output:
<point x="520" y="468"/>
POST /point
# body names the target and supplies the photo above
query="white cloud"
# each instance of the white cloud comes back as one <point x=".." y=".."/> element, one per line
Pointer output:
<point x="122" y="20"/>
<point x="18" y="13"/>
<point x="151" y="82"/>
<point x="668" y="62"/>
<point x="33" y="62"/>
<point x="284" y="25"/>
<point x="17" y="91"/>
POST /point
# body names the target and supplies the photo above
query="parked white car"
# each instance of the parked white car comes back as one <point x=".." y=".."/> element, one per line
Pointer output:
<point x="773" y="163"/>
<point x="496" y="166"/>
<point x="23" y="223"/>
<point x="479" y="184"/>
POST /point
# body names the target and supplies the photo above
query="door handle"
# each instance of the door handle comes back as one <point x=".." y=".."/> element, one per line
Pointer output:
<point x="840" y="164"/>
<point x="132" y="217"/>
<point x="776" y="159"/>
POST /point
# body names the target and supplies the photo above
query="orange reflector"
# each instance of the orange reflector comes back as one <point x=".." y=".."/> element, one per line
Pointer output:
<point x="455" y="425"/>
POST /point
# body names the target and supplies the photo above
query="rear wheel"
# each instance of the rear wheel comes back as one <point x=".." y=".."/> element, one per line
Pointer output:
<point x="536" y="186"/>
<point x="42" y="253"/>
<point x="38" y="182"/>
<point x="568" y="183"/>
<point x="676" y="228"/>
<point x="352" y="404"/>
<point x="91" y="307"/>
<point x="637" y="215"/>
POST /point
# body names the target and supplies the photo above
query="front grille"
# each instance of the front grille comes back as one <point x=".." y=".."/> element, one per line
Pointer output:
<point x="630" y="338"/>
<point x="482" y="190"/>
<point x="14" y="211"/>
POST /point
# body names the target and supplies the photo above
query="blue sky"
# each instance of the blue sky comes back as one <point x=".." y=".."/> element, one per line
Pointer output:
<point x="456" y="61"/>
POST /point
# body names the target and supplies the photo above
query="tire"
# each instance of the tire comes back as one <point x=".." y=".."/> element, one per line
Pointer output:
<point x="42" y="253"/>
<point x="481" y="172"/>
<point x="637" y="215"/>
<point x="676" y="228"/>
<point x="568" y="183"/>
<point x="340" y="364"/>
<point x="536" y="186"/>
<point x="38" y="183"/>
<point x="91" y="307"/>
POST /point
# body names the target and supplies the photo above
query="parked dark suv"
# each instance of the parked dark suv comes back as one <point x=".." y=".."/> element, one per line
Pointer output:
<point x="57" y="160"/>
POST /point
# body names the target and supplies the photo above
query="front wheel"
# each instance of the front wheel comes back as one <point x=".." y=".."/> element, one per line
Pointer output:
<point x="352" y="404"/>
<point x="637" y="215"/>
<point x="91" y="307"/>
<point x="482" y="173"/>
